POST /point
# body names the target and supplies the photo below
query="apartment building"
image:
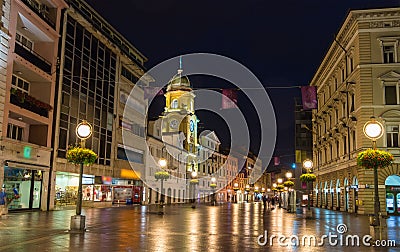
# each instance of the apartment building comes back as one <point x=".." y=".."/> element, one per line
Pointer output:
<point x="30" y="83"/>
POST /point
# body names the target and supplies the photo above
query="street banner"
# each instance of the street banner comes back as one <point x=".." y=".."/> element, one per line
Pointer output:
<point x="298" y="156"/>
<point x="309" y="97"/>
<point x="276" y="161"/>
<point x="229" y="98"/>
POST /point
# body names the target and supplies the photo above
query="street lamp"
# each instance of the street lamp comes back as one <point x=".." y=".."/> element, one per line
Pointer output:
<point x="162" y="163"/>
<point x="279" y="180"/>
<point x="308" y="165"/>
<point x="194" y="175"/>
<point x="247" y="191"/>
<point x="374" y="130"/>
<point x="291" y="202"/>
<point x="213" y="185"/>
<point x="235" y="188"/>
<point x="83" y="131"/>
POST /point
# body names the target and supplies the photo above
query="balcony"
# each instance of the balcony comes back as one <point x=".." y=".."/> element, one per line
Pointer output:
<point x="41" y="10"/>
<point x="30" y="103"/>
<point x="33" y="57"/>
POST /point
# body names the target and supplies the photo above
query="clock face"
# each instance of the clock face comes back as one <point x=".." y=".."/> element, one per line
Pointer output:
<point x="173" y="124"/>
<point x="191" y="125"/>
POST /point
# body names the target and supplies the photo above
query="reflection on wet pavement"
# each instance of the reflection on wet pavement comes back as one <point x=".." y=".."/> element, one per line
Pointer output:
<point x="226" y="227"/>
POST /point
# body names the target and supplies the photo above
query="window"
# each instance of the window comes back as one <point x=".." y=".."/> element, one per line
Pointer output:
<point x="388" y="54"/>
<point x="130" y="154"/>
<point x="392" y="95"/>
<point x="392" y="136"/>
<point x="24" y="41"/>
<point x="174" y="104"/>
<point x="15" y="132"/>
<point x="20" y="84"/>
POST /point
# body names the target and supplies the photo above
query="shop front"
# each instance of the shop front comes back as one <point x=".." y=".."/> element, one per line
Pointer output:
<point x="392" y="184"/>
<point x="127" y="191"/>
<point x="96" y="190"/>
<point x="23" y="187"/>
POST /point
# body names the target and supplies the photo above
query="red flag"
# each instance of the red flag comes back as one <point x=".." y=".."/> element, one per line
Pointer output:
<point x="152" y="91"/>
<point x="276" y="161"/>
<point x="309" y="97"/>
<point x="229" y="98"/>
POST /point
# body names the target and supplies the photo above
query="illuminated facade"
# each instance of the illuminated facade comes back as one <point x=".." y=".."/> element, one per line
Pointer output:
<point x="98" y="69"/>
<point x="359" y="77"/>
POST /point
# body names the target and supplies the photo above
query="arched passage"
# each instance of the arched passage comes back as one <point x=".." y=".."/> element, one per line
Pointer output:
<point x="392" y="184"/>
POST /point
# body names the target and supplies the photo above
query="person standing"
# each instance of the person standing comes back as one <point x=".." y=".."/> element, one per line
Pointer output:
<point x="3" y="201"/>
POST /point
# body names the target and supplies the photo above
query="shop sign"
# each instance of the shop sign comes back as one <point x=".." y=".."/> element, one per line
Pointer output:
<point x="27" y="151"/>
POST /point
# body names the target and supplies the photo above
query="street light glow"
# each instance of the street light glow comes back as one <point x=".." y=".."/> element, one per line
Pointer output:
<point x="83" y="130"/>
<point x="289" y="175"/>
<point x="162" y="162"/>
<point x="194" y="174"/>
<point x="373" y="129"/>
<point x="308" y="164"/>
<point x="280" y="181"/>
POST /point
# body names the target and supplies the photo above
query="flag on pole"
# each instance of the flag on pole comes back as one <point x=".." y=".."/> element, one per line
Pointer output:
<point x="309" y="97"/>
<point x="229" y="98"/>
<point x="276" y="161"/>
<point x="152" y="91"/>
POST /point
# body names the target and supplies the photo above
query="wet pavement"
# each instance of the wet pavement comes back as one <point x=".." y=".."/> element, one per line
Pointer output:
<point x="225" y="227"/>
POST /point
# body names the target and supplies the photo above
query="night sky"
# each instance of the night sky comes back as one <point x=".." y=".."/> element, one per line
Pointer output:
<point x="281" y="42"/>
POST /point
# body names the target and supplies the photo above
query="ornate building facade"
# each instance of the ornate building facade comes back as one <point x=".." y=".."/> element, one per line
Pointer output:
<point x="359" y="77"/>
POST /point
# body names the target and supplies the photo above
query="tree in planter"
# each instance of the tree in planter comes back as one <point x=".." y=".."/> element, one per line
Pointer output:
<point x="307" y="178"/>
<point x="374" y="159"/>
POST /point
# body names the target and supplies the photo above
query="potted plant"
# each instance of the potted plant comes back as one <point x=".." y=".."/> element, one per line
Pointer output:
<point x="288" y="183"/>
<point x="161" y="175"/>
<point x="308" y="177"/>
<point x="79" y="155"/>
<point x="371" y="158"/>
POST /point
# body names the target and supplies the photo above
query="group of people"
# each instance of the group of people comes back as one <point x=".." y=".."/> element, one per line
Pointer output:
<point x="270" y="201"/>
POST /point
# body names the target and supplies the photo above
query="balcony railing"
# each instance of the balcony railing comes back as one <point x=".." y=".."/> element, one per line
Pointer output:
<point x="33" y="57"/>
<point x="40" y="11"/>
<point x="30" y="103"/>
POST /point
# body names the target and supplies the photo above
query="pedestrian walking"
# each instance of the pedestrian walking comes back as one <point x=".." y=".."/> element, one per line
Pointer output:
<point x="264" y="199"/>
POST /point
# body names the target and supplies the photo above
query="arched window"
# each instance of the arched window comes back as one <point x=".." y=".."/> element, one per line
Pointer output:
<point x="174" y="104"/>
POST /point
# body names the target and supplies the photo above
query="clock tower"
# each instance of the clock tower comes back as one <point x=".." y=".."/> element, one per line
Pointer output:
<point x="179" y="122"/>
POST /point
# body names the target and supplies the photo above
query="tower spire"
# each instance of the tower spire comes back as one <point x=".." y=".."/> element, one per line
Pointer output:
<point x="180" y="70"/>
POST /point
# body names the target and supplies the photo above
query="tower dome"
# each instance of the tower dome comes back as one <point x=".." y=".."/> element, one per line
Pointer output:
<point x="179" y="82"/>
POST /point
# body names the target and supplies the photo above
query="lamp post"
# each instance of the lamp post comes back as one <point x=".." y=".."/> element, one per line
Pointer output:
<point x="162" y="163"/>
<point x="291" y="202"/>
<point x="83" y="131"/>
<point x="279" y="180"/>
<point x="308" y="165"/>
<point x="374" y="130"/>
<point x="247" y="191"/>
<point x="213" y="185"/>
<point x="194" y="176"/>
<point x="235" y="188"/>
